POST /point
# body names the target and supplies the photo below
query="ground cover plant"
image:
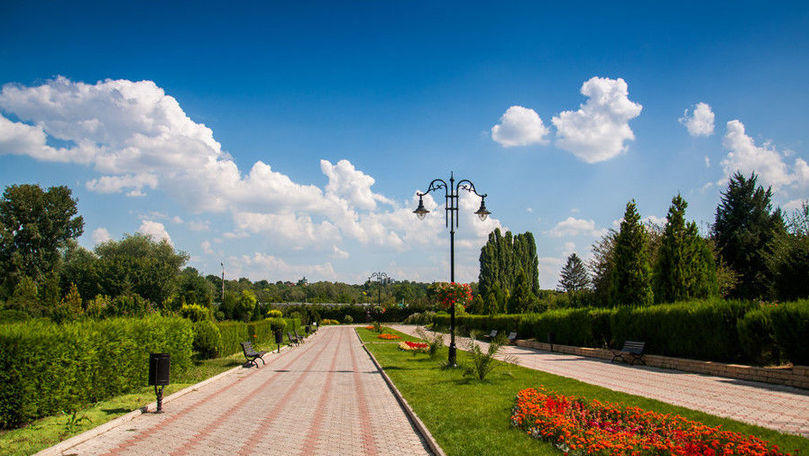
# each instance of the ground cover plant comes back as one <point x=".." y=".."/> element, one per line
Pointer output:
<point x="581" y="427"/>
<point x="469" y="416"/>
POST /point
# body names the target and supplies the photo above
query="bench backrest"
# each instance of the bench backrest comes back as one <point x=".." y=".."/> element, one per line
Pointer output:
<point x="632" y="346"/>
<point x="512" y="335"/>
<point x="493" y="333"/>
<point x="247" y="348"/>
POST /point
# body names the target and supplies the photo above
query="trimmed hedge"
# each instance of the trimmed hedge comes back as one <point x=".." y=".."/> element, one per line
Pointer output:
<point x="46" y="367"/>
<point x="258" y="332"/>
<point x="711" y="330"/>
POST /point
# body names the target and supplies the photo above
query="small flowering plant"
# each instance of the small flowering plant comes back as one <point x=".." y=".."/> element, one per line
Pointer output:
<point x="418" y="347"/>
<point x="450" y="294"/>
<point x="581" y="427"/>
<point x="388" y="336"/>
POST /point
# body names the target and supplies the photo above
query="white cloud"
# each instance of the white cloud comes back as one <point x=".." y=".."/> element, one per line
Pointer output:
<point x="206" y="248"/>
<point x="339" y="253"/>
<point x="746" y="157"/>
<point x="655" y="220"/>
<point x="567" y="249"/>
<point x="572" y="226"/>
<point x="598" y="130"/>
<point x="519" y="126"/>
<point x="707" y="162"/>
<point x="155" y="230"/>
<point x="263" y="266"/>
<point x="700" y="122"/>
<point x="138" y="139"/>
<point x="199" y="225"/>
<point x="795" y="204"/>
<point x="101" y="235"/>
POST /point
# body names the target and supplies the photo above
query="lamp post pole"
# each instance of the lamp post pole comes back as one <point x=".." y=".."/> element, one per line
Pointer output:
<point x="381" y="278"/>
<point x="223" y="282"/>
<point x="451" y="193"/>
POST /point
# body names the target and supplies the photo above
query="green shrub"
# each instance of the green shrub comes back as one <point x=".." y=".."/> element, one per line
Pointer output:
<point x="274" y="313"/>
<point x="277" y="324"/>
<point x="327" y="321"/>
<point x="233" y="333"/>
<point x="423" y="318"/>
<point x="195" y="312"/>
<point x="790" y="323"/>
<point x="207" y="339"/>
<point x="757" y="337"/>
<point x="12" y="316"/>
<point x="348" y="319"/>
<point x="47" y="368"/>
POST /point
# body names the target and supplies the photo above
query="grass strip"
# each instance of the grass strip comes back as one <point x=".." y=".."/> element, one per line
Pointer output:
<point x="369" y="335"/>
<point x="468" y="416"/>
<point x="51" y="430"/>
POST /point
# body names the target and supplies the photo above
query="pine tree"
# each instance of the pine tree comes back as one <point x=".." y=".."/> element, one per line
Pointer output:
<point x="574" y="275"/>
<point x="523" y="299"/>
<point x="630" y="280"/>
<point x="685" y="267"/>
<point x="744" y="229"/>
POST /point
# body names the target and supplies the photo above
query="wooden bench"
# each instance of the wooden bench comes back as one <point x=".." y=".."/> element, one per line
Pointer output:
<point x="631" y="353"/>
<point x="251" y="354"/>
<point x="293" y="339"/>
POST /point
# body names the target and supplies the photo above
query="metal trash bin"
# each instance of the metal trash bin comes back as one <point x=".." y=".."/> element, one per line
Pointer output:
<point x="159" y="375"/>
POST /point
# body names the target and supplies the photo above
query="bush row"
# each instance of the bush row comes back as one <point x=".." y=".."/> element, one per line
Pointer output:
<point x="714" y="330"/>
<point x="232" y="333"/>
<point x="46" y="367"/>
<point x="358" y="314"/>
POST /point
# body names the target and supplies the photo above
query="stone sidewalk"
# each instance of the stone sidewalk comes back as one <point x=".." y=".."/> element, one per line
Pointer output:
<point x="323" y="397"/>
<point x="783" y="408"/>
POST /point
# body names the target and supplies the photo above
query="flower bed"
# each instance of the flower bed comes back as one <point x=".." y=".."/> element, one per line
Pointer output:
<point x="369" y="327"/>
<point x="580" y="427"/>
<point x="413" y="346"/>
<point x="388" y="336"/>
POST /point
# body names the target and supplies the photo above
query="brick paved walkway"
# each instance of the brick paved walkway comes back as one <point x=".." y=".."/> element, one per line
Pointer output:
<point x="324" y="397"/>
<point x="783" y="408"/>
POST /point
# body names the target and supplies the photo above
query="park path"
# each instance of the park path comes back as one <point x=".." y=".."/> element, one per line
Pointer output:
<point x="783" y="408"/>
<point x="323" y="397"/>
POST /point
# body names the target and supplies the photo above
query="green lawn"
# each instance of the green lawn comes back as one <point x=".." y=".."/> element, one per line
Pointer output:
<point x="470" y="417"/>
<point x="51" y="430"/>
<point x="369" y="335"/>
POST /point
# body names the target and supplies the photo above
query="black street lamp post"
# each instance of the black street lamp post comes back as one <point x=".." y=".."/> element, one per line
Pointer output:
<point x="382" y="278"/>
<point x="451" y="193"/>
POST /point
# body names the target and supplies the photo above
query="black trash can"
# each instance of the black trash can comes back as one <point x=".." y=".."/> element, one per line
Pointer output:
<point x="279" y="339"/>
<point x="159" y="367"/>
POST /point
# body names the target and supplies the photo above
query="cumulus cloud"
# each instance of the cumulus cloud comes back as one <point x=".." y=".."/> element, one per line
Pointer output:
<point x="572" y="226"/>
<point x="598" y="130"/>
<point x="139" y="140"/>
<point x="746" y="157"/>
<point x="101" y="235"/>
<point x="700" y="122"/>
<point x="206" y="248"/>
<point x="155" y="230"/>
<point x="339" y="253"/>
<point x="519" y="126"/>
<point x="260" y="266"/>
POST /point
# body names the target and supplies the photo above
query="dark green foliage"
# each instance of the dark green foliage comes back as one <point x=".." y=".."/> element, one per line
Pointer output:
<point x="601" y="266"/>
<point x="757" y="337"/>
<point x="34" y="225"/>
<point x="789" y="257"/>
<point x="685" y="268"/>
<point x="207" y="339"/>
<point x="194" y="288"/>
<point x="501" y="259"/>
<point x="744" y="228"/>
<point x="278" y="324"/>
<point x="137" y="264"/>
<point x="258" y="332"/>
<point x="12" y="316"/>
<point x="47" y="368"/>
<point x="485" y="323"/>
<point x="631" y="278"/>
<point x="578" y="327"/>
<point x="790" y="322"/>
<point x="700" y="329"/>
<point x="574" y="275"/>
<point x="348" y="319"/>
<point x="522" y="299"/>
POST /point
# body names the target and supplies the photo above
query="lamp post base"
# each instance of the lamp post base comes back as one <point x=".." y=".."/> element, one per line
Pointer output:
<point x="452" y="356"/>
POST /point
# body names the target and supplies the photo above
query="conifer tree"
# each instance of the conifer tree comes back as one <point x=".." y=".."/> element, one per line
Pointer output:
<point x="523" y="299"/>
<point x="574" y="275"/>
<point x="744" y="229"/>
<point x="630" y="280"/>
<point x="685" y="266"/>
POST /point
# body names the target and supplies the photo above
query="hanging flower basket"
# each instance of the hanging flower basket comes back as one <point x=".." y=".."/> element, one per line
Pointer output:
<point x="450" y="294"/>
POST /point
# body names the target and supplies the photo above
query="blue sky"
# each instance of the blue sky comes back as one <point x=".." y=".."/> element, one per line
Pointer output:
<point x="289" y="140"/>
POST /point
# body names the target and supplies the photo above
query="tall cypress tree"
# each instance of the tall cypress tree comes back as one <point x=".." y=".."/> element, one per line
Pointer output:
<point x="685" y="266"/>
<point x="744" y="229"/>
<point x="501" y="259"/>
<point x="630" y="281"/>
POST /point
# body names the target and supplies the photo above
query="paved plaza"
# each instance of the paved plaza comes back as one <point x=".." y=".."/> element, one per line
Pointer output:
<point x="323" y="397"/>
<point x="783" y="408"/>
